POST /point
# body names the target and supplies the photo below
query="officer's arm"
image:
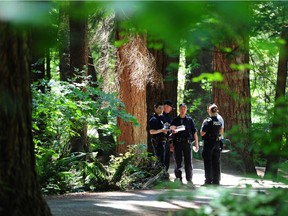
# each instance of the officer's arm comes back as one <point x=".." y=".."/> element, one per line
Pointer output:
<point x="152" y="131"/>
<point x="202" y="133"/>
<point x="196" y="141"/>
<point x="221" y="132"/>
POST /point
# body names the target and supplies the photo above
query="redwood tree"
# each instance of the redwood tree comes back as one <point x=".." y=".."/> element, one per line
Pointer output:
<point x="232" y="95"/>
<point x="20" y="192"/>
<point x="133" y="59"/>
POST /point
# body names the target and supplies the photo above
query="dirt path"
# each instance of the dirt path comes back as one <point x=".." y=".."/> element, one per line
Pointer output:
<point x="146" y="202"/>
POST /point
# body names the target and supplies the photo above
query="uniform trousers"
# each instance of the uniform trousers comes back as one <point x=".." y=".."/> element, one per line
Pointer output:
<point x="159" y="149"/>
<point x="167" y="155"/>
<point x="211" y="158"/>
<point x="183" y="148"/>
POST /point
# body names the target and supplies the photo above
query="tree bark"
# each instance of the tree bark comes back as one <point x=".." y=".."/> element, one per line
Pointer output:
<point x="170" y="71"/>
<point x="162" y="83"/>
<point x="132" y="79"/>
<point x="20" y="192"/>
<point x="79" y="61"/>
<point x="78" y="43"/>
<point x="232" y="95"/>
<point x="38" y="57"/>
<point x="64" y="43"/>
<point x="278" y="124"/>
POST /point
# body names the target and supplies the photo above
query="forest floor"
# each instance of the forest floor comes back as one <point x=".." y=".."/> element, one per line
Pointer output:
<point x="153" y="202"/>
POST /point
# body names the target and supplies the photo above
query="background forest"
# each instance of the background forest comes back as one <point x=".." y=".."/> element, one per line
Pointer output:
<point x="97" y="68"/>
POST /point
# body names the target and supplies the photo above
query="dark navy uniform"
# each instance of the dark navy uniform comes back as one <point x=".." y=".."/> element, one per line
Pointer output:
<point x="166" y="118"/>
<point x="211" y="150"/>
<point x="158" y="140"/>
<point x="182" y="142"/>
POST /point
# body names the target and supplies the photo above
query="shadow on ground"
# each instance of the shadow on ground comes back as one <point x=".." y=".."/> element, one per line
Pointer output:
<point x="149" y="202"/>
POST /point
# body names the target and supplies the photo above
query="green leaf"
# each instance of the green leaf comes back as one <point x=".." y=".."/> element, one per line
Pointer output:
<point x="210" y="77"/>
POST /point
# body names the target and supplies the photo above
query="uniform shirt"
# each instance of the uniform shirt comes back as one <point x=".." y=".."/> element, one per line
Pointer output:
<point x="156" y="123"/>
<point x="189" y="124"/>
<point x="211" y="127"/>
<point x="166" y="118"/>
<point x="221" y="120"/>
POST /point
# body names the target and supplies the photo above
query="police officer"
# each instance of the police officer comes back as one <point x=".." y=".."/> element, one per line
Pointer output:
<point x="158" y="132"/>
<point x="184" y="132"/>
<point x="167" y="119"/>
<point x="211" y="130"/>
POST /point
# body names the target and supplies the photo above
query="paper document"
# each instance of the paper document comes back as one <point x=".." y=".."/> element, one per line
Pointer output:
<point x="180" y="128"/>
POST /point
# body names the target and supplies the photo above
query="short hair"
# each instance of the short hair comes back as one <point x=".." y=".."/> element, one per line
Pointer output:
<point x="168" y="102"/>
<point x="156" y="105"/>
<point x="182" y="104"/>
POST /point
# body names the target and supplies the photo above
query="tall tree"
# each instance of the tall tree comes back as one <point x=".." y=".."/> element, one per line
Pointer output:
<point x="63" y="45"/>
<point x="79" y="58"/>
<point x="78" y="24"/>
<point x="132" y="68"/>
<point x="20" y="192"/>
<point x="279" y="124"/>
<point x="233" y="97"/>
<point x="162" y="83"/>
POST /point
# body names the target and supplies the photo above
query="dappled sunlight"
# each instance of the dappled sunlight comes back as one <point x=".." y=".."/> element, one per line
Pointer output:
<point x="227" y="179"/>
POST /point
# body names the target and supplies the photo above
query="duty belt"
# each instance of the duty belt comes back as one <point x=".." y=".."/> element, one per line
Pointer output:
<point x="181" y="139"/>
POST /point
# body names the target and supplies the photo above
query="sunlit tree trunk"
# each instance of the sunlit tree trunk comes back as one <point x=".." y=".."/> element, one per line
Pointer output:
<point x="232" y="95"/>
<point x="279" y="121"/>
<point x="20" y="192"/>
<point x="132" y="68"/>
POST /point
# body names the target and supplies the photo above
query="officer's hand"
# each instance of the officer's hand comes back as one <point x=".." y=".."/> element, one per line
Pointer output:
<point x="196" y="149"/>
<point x="173" y="128"/>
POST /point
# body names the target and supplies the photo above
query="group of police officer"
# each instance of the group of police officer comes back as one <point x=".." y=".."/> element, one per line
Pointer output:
<point x="177" y="135"/>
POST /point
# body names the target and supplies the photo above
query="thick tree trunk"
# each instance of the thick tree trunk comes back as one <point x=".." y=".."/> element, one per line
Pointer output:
<point x="19" y="189"/>
<point x="233" y="97"/>
<point x="278" y="124"/>
<point x="162" y="84"/>
<point x="132" y="70"/>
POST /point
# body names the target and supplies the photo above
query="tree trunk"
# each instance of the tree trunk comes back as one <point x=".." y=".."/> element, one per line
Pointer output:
<point x="278" y="124"/>
<point x="91" y="70"/>
<point x="162" y="83"/>
<point x="79" y="61"/>
<point x="64" y="52"/>
<point x="133" y="58"/>
<point x="78" y="43"/>
<point x="232" y="95"/>
<point x="20" y="192"/>
<point x="38" y="57"/>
